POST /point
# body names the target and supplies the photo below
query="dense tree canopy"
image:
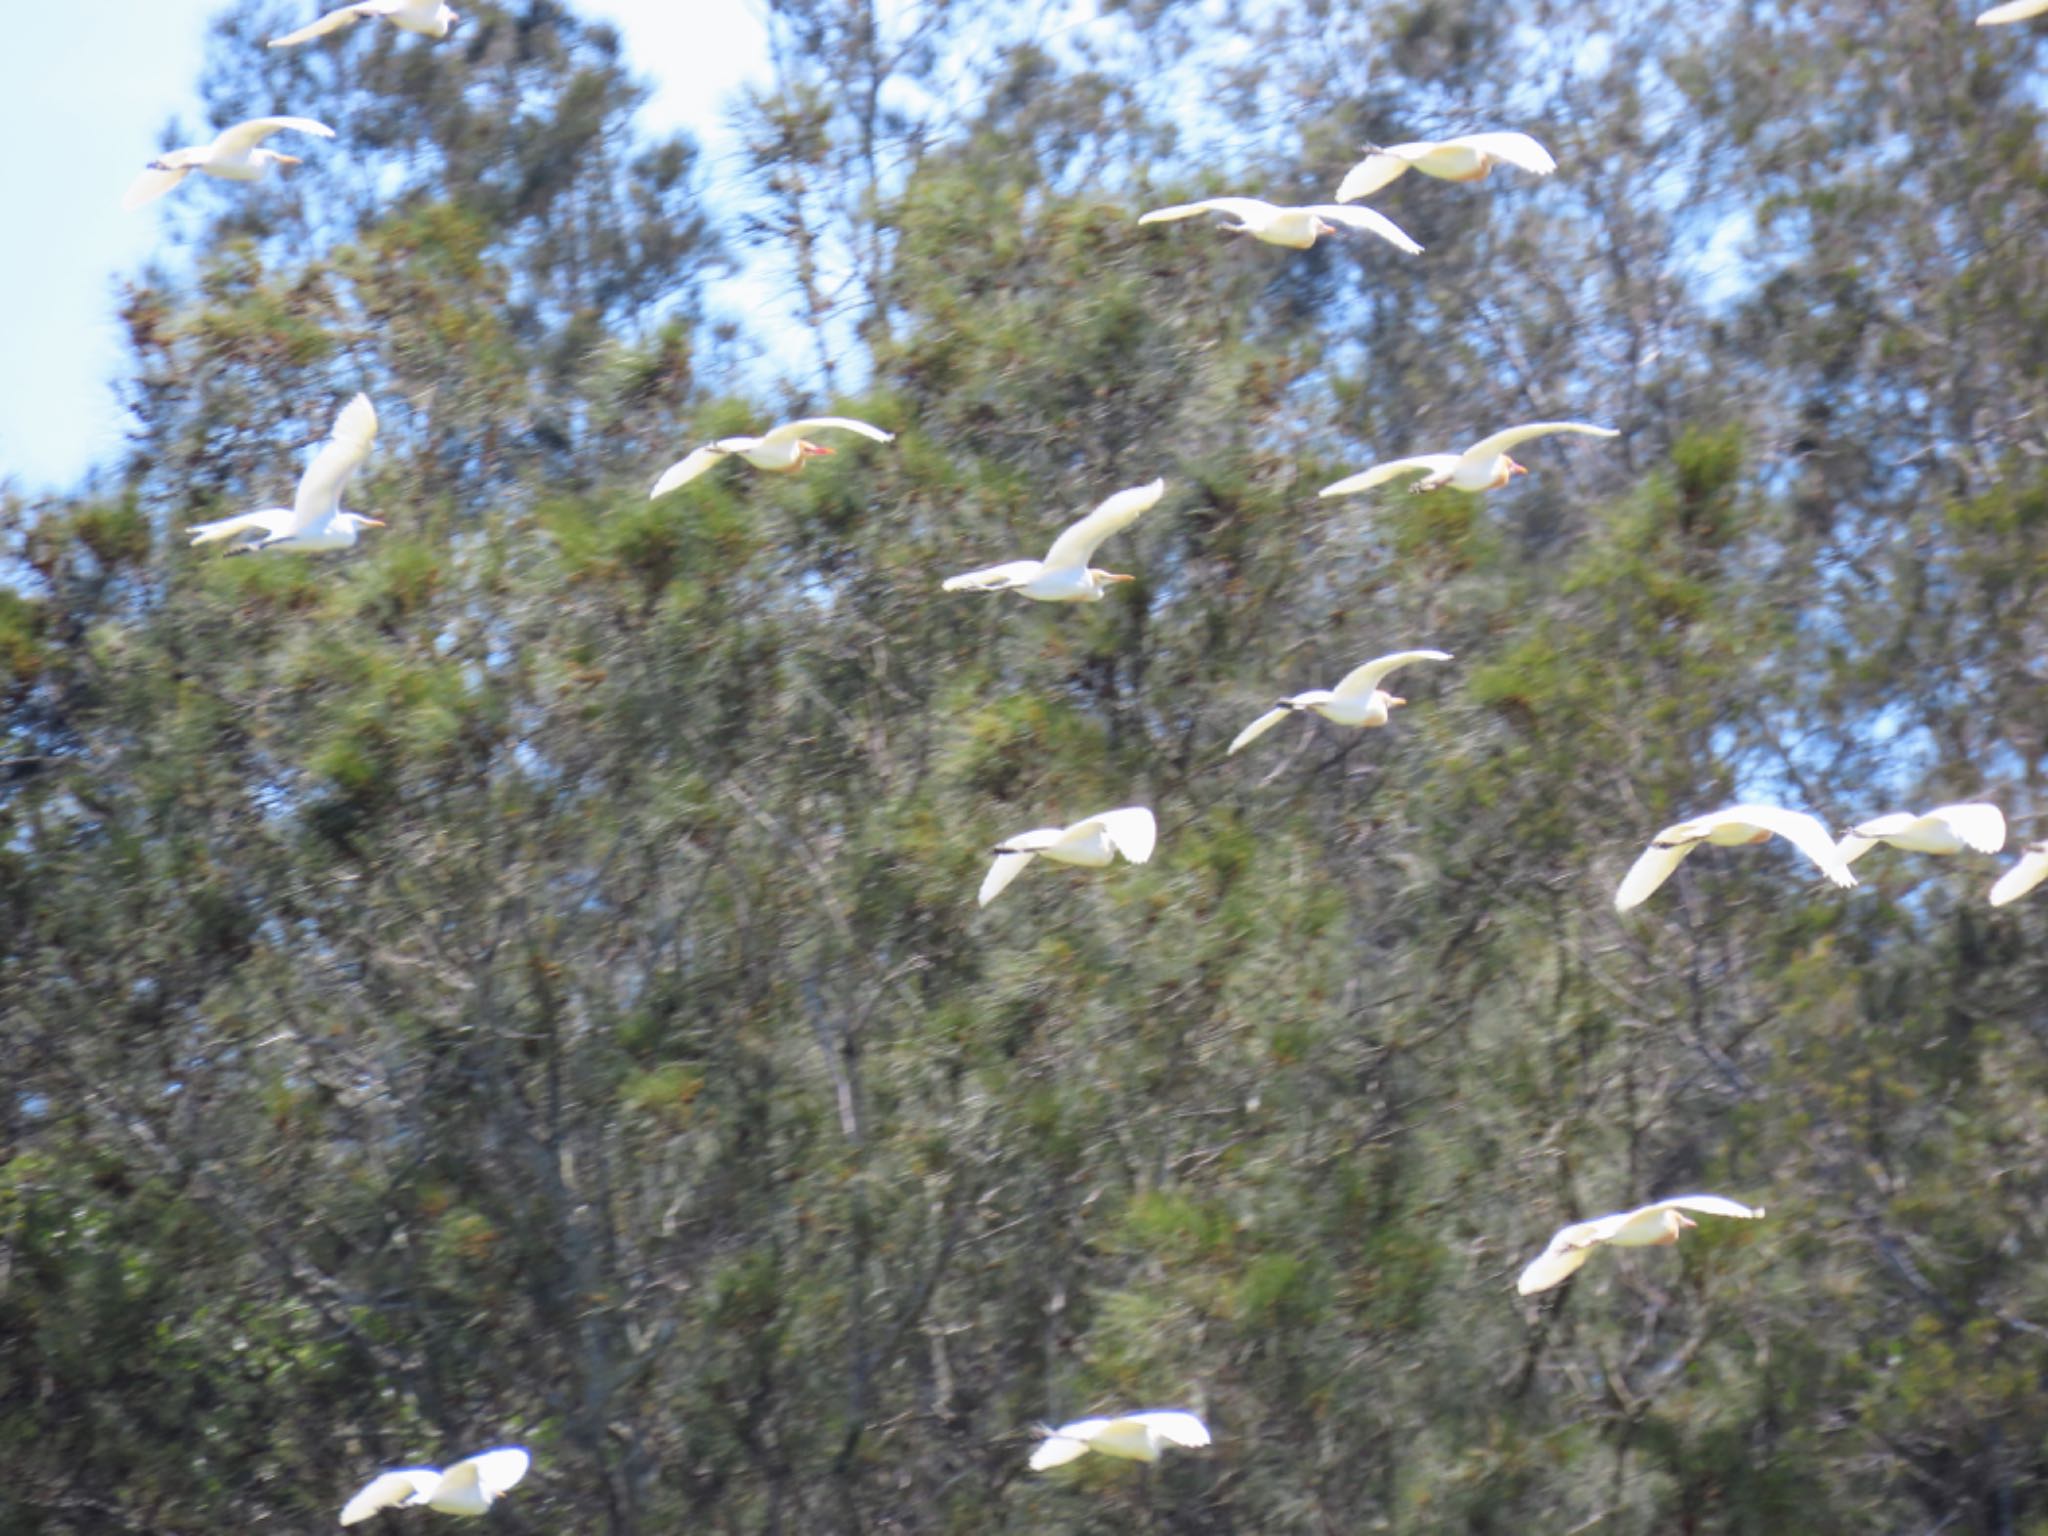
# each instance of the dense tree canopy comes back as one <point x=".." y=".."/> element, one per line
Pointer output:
<point x="520" y="980"/>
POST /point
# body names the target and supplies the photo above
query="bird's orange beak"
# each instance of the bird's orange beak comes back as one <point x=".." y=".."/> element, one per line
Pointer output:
<point x="813" y="450"/>
<point x="1115" y="576"/>
<point x="288" y="160"/>
<point x="1393" y="699"/>
<point x="373" y="522"/>
<point x="1517" y="469"/>
<point x="1325" y="228"/>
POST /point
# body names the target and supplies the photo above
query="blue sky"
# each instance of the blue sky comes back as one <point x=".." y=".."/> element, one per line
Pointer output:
<point x="105" y="93"/>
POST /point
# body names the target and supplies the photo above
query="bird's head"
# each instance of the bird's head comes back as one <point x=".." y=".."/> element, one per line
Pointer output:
<point x="448" y="17"/>
<point x="1676" y="1222"/>
<point x="1516" y="469"/>
<point x="1322" y="227"/>
<point x="1393" y="699"/>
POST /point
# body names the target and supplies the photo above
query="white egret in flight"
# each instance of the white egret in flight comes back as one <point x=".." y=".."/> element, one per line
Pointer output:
<point x="1485" y="466"/>
<point x="1945" y="829"/>
<point x="1466" y="158"/>
<point x="1092" y="844"/>
<point x="467" y="1488"/>
<point x="783" y="448"/>
<point x="1358" y="700"/>
<point x="1064" y="576"/>
<point x="428" y="18"/>
<point x="1131" y="1437"/>
<point x="314" y="521"/>
<point x="1296" y="228"/>
<point x="234" y="156"/>
<point x="1732" y="828"/>
<point x="1650" y="1226"/>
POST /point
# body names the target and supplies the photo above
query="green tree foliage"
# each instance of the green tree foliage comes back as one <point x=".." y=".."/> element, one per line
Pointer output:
<point x="520" y="980"/>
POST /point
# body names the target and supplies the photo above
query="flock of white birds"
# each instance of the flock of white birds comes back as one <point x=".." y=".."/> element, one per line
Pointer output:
<point x="316" y="522"/>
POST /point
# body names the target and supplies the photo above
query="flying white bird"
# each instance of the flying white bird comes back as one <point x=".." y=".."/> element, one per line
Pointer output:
<point x="467" y="1488"/>
<point x="429" y="18"/>
<point x="1732" y="828"/>
<point x="2031" y="870"/>
<point x="1064" y="575"/>
<point x="234" y="156"/>
<point x="314" y="521"/>
<point x="2016" y="10"/>
<point x="1357" y="700"/>
<point x="1485" y="466"/>
<point x="779" y="448"/>
<point x="1092" y="844"/>
<point x="1652" y="1226"/>
<point x="1467" y="158"/>
<point x="1945" y="829"/>
<point x="1133" y="1437"/>
<point x="1295" y="228"/>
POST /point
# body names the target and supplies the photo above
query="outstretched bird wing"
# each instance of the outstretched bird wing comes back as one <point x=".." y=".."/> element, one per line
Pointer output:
<point x="789" y="431"/>
<point x="1366" y="219"/>
<point x="688" y="468"/>
<point x="334" y="21"/>
<point x="1516" y="149"/>
<point x="1360" y="681"/>
<point x="1393" y="469"/>
<point x="243" y="137"/>
<point x="1500" y="442"/>
<point x="320" y="487"/>
<point x="1250" y="209"/>
<point x="1076" y="546"/>
<point x="1258" y="728"/>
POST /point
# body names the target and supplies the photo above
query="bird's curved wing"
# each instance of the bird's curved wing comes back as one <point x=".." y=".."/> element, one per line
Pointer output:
<point x="270" y="522"/>
<point x="1649" y="871"/>
<point x="1174" y="1426"/>
<point x="1007" y="867"/>
<point x="1130" y="830"/>
<point x="495" y="1471"/>
<point x="1802" y="831"/>
<point x="1706" y="1205"/>
<point x="1377" y="169"/>
<point x="1258" y="728"/>
<point x="993" y="578"/>
<point x="1500" y="442"/>
<point x="320" y="487"/>
<point x="1393" y="469"/>
<point x="409" y="1485"/>
<point x="687" y="468"/>
<point x="1516" y="149"/>
<point x="1250" y="209"/>
<point x="152" y="184"/>
<point x="2031" y="870"/>
<point x="1066" y="1443"/>
<point x="1077" y="544"/>
<point x="1370" y="220"/>
<point x="2014" y="10"/>
<point x="1979" y="825"/>
<point x="789" y="431"/>
<point x="1560" y="1260"/>
<point x="1360" y="681"/>
<point x="334" y="21"/>
<point x="243" y="137"/>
